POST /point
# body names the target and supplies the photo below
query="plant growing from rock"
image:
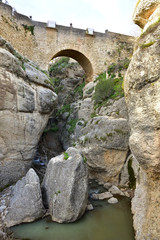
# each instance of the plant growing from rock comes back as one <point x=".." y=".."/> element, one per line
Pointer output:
<point x="66" y="155"/>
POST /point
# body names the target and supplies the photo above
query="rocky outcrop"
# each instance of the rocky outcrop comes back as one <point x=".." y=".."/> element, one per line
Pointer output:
<point x="65" y="186"/>
<point x="25" y="105"/>
<point x="144" y="11"/>
<point x="25" y="203"/>
<point x="142" y="90"/>
<point x="104" y="143"/>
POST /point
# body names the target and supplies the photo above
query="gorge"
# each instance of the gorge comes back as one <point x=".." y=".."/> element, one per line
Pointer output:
<point x="89" y="129"/>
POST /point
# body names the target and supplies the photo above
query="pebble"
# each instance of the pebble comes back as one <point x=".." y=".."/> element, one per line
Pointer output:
<point x="89" y="207"/>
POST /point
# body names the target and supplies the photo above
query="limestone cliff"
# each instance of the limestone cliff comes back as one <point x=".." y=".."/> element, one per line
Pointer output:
<point x="26" y="101"/>
<point x="142" y="90"/>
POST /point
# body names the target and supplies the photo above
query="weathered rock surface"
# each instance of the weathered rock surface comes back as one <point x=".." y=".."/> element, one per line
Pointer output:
<point x="116" y="191"/>
<point x="65" y="186"/>
<point x="86" y="109"/>
<point x="117" y="109"/>
<point x="102" y="196"/>
<point x="142" y="90"/>
<point x="104" y="143"/>
<point x="24" y="111"/>
<point x="25" y="204"/>
<point x="89" y="89"/>
<point x="143" y="11"/>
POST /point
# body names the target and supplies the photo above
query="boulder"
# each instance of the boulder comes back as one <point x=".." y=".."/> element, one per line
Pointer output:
<point x="65" y="186"/>
<point x="113" y="200"/>
<point x="25" y="204"/>
<point x="116" y="191"/>
<point x="102" y="196"/>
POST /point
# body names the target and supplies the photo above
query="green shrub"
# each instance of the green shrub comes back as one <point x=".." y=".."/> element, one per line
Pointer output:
<point x="66" y="155"/>
<point x="111" y="69"/>
<point x="101" y="76"/>
<point x="117" y="67"/>
<point x="53" y="128"/>
<point x="79" y="89"/>
<point x="63" y="109"/>
<point x="29" y="28"/>
<point x="118" y="89"/>
<point x="59" y="65"/>
<point x="84" y="159"/>
<point x="103" y="90"/>
<point x="72" y="124"/>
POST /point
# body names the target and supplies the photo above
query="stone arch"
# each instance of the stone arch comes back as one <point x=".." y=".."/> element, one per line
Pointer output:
<point x="81" y="59"/>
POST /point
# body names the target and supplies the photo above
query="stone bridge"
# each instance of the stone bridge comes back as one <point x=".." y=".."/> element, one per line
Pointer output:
<point x="41" y="42"/>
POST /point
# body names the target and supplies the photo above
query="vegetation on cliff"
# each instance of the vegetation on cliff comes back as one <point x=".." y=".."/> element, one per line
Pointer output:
<point x="111" y="87"/>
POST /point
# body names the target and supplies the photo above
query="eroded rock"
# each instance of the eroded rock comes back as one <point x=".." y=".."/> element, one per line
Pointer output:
<point x="25" y="109"/>
<point x="25" y="204"/>
<point x="65" y="186"/>
<point x="142" y="84"/>
<point x="104" y="143"/>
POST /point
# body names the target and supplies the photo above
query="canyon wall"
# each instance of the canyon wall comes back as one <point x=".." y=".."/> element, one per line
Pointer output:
<point x="142" y="92"/>
<point x="26" y="102"/>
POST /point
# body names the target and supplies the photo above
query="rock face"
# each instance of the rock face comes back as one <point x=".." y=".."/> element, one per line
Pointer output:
<point x="25" y="204"/>
<point x="144" y="11"/>
<point x="142" y="90"/>
<point x="25" y="105"/>
<point x="104" y="142"/>
<point x="129" y="172"/>
<point x="66" y="186"/>
<point x="100" y="131"/>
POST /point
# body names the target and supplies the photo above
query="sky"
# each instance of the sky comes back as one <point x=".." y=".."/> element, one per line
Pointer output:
<point x="101" y="15"/>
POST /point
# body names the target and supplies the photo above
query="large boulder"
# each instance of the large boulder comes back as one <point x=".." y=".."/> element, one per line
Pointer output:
<point x="142" y="91"/>
<point x="65" y="186"/>
<point x="26" y="103"/>
<point x="25" y="204"/>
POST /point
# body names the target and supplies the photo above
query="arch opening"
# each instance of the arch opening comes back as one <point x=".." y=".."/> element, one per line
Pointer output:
<point x="81" y="59"/>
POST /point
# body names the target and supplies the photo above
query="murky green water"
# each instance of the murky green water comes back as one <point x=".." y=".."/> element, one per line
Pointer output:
<point x="106" y="222"/>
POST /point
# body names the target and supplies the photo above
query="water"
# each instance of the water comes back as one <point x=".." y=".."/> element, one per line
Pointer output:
<point x="105" y="222"/>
